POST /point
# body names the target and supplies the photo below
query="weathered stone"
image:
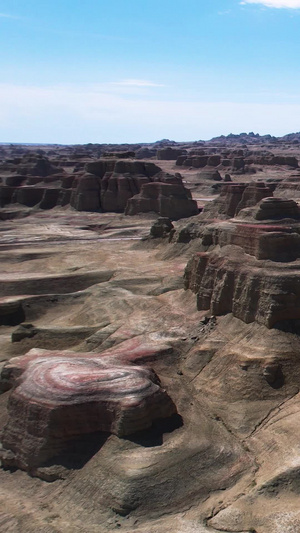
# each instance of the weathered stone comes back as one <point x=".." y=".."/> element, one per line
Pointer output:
<point x="161" y="227"/>
<point x="116" y="190"/>
<point x="24" y="331"/>
<point x="167" y="199"/>
<point x="214" y="160"/>
<point x="71" y="395"/>
<point x="100" y="166"/>
<point x="277" y="208"/>
<point x="272" y="373"/>
<point x="6" y="195"/>
<point x="253" y="193"/>
<point x="86" y="193"/>
<point x="236" y="196"/>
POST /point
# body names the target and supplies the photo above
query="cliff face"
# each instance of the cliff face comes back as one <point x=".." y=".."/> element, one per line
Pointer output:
<point x="229" y="281"/>
<point x="170" y="200"/>
<point x="252" y="268"/>
<point x="104" y="185"/>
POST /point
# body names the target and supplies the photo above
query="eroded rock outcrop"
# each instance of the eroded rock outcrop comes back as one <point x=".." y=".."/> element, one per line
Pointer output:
<point x="29" y="164"/>
<point x="289" y="187"/>
<point x="107" y="185"/>
<point x="161" y="228"/>
<point x="170" y="200"/>
<point x="236" y="196"/>
<point x="241" y="161"/>
<point x="252" y="271"/>
<point x="60" y="396"/>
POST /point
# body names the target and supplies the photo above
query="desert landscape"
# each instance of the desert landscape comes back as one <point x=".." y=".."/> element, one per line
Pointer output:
<point x="150" y="321"/>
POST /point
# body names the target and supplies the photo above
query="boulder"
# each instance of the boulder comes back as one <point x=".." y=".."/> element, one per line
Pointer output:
<point x="277" y="208"/>
<point x="161" y="227"/>
<point x="235" y="196"/>
<point x="49" y="199"/>
<point x="230" y="281"/>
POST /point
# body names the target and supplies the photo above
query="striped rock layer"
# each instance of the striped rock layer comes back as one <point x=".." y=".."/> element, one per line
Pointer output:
<point x="58" y="398"/>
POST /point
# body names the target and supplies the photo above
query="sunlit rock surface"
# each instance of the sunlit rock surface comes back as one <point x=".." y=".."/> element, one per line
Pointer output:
<point x="85" y="294"/>
<point x="59" y="398"/>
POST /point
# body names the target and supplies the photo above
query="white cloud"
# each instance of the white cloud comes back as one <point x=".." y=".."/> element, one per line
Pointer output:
<point x="7" y="16"/>
<point x="278" y="4"/>
<point x="136" y="83"/>
<point x="71" y="115"/>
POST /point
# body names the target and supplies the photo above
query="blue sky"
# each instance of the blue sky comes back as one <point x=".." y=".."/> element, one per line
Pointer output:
<point x="139" y="71"/>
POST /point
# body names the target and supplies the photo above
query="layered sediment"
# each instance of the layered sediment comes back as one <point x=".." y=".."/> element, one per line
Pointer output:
<point x="58" y="398"/>
<point x="252" y="269"/>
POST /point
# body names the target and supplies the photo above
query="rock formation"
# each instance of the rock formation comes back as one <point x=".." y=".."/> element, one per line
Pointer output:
<point x="169" y="154"/>
<point x="236" y="196"/>
<point x="161" y="227"/>
<point x="30" y="164"/>
<point x="246" y="272"/>
<point x="170" y="200"/>
<point x="107" y="185"/>
<point x="58" y="397"/>
<point x="240" y="161"/>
